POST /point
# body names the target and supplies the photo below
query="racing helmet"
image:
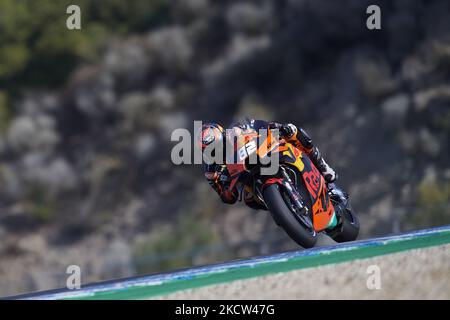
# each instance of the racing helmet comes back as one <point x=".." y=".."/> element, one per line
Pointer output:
<point x="211" y="133"/>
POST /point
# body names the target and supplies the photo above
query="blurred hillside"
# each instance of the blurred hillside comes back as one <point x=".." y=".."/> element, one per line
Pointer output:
<point x="86" y="118"/>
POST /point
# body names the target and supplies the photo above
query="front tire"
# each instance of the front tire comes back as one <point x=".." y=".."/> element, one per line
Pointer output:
<point x="286" y="219"/>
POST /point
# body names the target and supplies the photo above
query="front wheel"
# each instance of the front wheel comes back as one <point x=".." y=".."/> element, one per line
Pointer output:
<point x="285" y="217"/>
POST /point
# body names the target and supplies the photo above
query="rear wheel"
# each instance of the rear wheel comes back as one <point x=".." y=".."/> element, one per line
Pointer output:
<point x="298" y="228"/>
<point x="348" y="230"/>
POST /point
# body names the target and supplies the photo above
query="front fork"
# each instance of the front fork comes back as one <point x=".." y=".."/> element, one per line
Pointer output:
<point x="294" y="195"/>
<point x="296" y="203"/>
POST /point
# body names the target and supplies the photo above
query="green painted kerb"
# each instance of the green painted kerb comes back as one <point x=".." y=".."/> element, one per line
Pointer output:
<point x="296" y="263"/>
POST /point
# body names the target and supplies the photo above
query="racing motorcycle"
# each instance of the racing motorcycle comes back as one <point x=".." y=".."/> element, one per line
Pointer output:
<point x="297" y="195"/>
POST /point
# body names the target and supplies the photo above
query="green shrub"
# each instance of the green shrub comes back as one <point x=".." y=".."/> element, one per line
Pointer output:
<point x="5" y="112"/>
<point x="37" y="49"/>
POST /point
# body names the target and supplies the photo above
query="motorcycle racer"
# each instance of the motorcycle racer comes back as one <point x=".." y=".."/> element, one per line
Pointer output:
<point x="217" y="174"/>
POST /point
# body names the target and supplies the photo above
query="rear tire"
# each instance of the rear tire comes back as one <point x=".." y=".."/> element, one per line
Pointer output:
<point x="349" y="229"/>
<point x="286" y="219"/>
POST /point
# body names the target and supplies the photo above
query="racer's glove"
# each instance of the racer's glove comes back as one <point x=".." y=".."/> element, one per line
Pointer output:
<point x="288" y="131"/>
